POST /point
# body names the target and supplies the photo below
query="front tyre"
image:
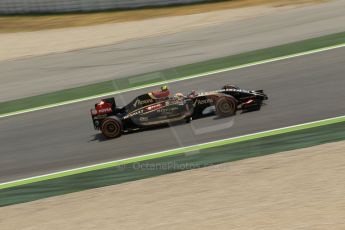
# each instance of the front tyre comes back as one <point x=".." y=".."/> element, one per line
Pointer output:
<point x="225" y="107"/>
<point x="111" y="127"/>
<point x="188" y="119"/>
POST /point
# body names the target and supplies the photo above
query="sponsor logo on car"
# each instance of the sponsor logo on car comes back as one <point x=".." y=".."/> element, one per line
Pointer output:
<point x="153" y="107"/>
<point x="203" y="102"/>
<point x="143" y="102"/>
<point x="174" y="102"/>
<point x="105" y="110"/>
<point x="134" y="113"/>
<point x="234" y="90"/>
<point x="167" y="110"/>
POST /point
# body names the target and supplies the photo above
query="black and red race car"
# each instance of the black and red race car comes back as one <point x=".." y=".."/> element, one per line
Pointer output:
<point x="145" y="111"/>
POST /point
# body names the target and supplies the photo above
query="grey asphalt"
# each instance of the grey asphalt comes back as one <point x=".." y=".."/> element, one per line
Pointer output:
<point x="37" y="75"/>
<point x="301" y="90"/>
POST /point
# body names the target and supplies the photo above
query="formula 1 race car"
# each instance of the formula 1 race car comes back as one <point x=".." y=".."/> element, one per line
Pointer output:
<point x="145" y="111"/>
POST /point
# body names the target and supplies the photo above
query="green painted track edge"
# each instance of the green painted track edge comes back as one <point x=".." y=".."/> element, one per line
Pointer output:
<point x="172" y="152"/>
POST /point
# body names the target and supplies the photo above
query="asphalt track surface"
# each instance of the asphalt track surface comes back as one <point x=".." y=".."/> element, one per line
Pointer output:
<point x="37" y="75"/>
<point x="301" y="90"/>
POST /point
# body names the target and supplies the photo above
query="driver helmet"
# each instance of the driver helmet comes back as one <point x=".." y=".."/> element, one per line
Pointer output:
<point x="164" y="88"/>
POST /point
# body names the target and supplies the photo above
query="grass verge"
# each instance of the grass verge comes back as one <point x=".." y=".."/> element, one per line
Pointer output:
<point x="111" y="87"/>
<point x="174" y="163"/>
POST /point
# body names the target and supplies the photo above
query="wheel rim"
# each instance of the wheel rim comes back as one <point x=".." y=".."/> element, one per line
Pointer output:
<point x="225" y="107"/>
<point x="111" y="129"/>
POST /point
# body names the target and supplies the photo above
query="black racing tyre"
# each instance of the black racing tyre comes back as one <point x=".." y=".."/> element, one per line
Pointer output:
<point x="188" y="119"/>
<point x="111" y="127"/>
<point x="225" y="106"/>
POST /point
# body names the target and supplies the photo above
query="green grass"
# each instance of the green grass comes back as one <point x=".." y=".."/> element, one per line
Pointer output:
<point x="169" y="74"/>
<point x="186" y="160"/>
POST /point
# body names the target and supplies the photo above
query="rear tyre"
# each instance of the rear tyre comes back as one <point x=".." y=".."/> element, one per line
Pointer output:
<point x="225" y="107"/>
<point x="188" y="119"/>
<point x="111" y="127"/>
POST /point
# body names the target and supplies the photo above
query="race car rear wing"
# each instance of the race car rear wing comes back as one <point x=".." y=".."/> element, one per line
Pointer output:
<point x="106" y="107"/>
